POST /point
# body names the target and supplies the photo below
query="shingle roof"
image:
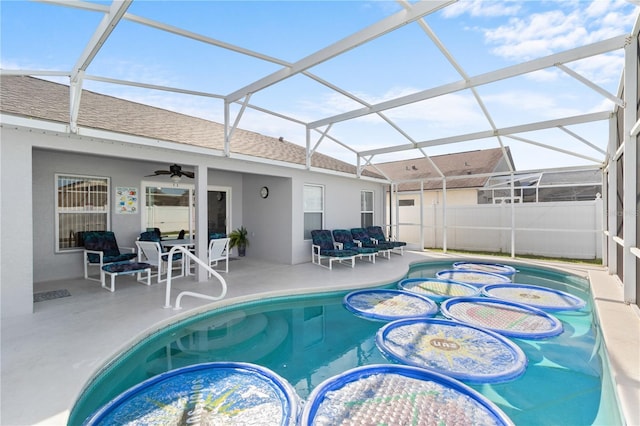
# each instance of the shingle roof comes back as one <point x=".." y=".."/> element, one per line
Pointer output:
<point x="46" y="100"/>
<point x="468" y="163"/>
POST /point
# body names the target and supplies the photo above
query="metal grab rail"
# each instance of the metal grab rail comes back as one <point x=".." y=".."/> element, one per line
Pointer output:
<point x="186" y="252"/>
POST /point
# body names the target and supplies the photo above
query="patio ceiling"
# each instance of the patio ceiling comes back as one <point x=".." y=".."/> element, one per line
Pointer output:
<point x="435" y="94"/>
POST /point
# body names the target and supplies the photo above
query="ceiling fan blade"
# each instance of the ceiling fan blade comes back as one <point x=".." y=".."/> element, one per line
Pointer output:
<point x="188" y="174"/>
<point x="159" y="172"/>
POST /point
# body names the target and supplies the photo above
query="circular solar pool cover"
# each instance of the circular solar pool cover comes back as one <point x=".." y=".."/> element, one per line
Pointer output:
<point x="507" y="318"/>
<point x="461" y="351"/>
<point x="211" y="393"/>
<point x="388" y="305"/>
<point x="437" y="289"/>
<point x="388" y="394"/>
<point x="540" y="297"/>
<point x="477" y="278"/>
<point x="496" y="268"/>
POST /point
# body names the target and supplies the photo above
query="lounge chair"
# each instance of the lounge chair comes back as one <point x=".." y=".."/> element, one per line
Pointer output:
<point x="323" y="247"/>
<point x="362" y="236"/>
<point x="101" y="248"/>
<point x="377" y="233"/>
<point x="344" y="237"/>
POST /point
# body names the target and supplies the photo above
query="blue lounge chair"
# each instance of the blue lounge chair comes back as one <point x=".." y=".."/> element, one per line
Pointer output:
<point x="377" y="233"/>
<point x="323" y="247"/>
<point x="362" y="236"/>
<point x="344" y="237"/>
<point x="101" y="248"/>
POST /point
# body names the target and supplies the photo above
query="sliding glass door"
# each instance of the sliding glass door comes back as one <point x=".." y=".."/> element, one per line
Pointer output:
<point x="218" y="205"/>
<point x="170" y="209"/>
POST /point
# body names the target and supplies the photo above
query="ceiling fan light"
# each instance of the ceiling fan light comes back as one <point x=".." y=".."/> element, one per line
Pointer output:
<point x="175" y="179"/>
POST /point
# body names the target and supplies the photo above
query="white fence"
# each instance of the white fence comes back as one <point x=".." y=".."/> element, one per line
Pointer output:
<point x="568" y="229"/>
<point x="171" y="219"/>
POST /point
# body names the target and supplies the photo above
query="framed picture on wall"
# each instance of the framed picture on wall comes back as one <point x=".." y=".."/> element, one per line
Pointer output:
<point x="126" y="200"/>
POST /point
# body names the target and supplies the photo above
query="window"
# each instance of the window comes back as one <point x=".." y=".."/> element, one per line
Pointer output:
<point x="406" y="203"/>
<point x="313" y="199"/>
<point x="366" y="208"/>
<point x="82" y="204"/>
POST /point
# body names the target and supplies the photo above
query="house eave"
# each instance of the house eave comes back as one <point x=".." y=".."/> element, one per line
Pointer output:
<point x="61" y="129"/>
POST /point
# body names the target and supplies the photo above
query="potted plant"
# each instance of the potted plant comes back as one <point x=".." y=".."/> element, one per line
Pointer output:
<point x="238" y="238"/>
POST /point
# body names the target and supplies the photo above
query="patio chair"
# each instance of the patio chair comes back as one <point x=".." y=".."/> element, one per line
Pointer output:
<point x="377" y="233"/>
<point x="344" y="237"/>
<point x="151" y="252"/>
<point x="218" y="252"/>
<point x="361" y="236"/>
<point x="323" y="247"/>
<point x="101" y="248"/>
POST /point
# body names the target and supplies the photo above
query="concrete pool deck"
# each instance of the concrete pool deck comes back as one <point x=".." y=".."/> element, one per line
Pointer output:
<point x="48" y="356"/>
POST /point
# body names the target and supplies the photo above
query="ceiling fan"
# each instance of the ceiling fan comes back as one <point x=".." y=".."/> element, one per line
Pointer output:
<point x="175" y="173"/>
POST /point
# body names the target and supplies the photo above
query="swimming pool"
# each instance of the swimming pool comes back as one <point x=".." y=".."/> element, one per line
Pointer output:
<point x="307" y="339"/>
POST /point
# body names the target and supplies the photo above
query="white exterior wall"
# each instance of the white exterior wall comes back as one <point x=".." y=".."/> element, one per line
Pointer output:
<point x="16" y="227"/>
<point x="275" y="224"/>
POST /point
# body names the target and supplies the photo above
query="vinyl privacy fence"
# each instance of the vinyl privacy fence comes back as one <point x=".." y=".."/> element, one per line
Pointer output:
<point x="568" y="229"/>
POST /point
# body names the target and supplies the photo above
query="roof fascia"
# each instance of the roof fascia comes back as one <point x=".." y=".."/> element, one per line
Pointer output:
<point x="490" y="77"/>
<point x="62" y="129"/>
<point x="374" y="31"/>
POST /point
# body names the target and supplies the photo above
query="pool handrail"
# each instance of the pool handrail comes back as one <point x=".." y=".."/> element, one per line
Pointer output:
<point x="186" y="252"/>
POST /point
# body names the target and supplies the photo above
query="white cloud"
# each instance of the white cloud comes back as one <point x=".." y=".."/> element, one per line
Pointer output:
<point x="482" y="8"/>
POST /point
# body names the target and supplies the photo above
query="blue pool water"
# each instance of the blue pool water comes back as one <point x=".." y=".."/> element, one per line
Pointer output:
<point x="310" y="338"/>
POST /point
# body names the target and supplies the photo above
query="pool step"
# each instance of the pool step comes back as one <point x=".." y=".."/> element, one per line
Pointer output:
<point x="245" y="340"/>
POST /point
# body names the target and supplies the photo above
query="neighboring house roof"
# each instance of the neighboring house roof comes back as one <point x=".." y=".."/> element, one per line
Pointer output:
<point x="465" y="164"/>
<point x="46" y="100"/>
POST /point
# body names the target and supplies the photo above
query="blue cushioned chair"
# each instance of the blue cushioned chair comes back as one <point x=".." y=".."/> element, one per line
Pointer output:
<point x="377" y="233"/>
<point x="216" y="235"/>
<point x="344" y="237"/>
<point x="150" y="236"/>
<point x="101" y="248"/>
<point x="323" y="247"/>
<point x="362" y="236"/>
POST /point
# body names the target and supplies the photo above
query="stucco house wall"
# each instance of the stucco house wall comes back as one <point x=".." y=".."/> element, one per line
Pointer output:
<point x="30" y="159"/>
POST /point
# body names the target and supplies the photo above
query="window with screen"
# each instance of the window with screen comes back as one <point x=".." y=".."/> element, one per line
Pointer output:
<point x="313" y="200"/>
<point x="82" y="204"/>
<point x="366" y="208"/>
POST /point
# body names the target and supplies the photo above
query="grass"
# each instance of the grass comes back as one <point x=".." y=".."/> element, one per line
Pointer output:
<point x="523" y="256"/>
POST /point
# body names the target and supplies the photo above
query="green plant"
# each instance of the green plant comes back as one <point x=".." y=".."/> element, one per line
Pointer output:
<point x="239" y="238"/>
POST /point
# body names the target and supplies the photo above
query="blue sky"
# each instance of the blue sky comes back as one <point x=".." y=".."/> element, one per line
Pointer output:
<point x="482" y="36"/>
